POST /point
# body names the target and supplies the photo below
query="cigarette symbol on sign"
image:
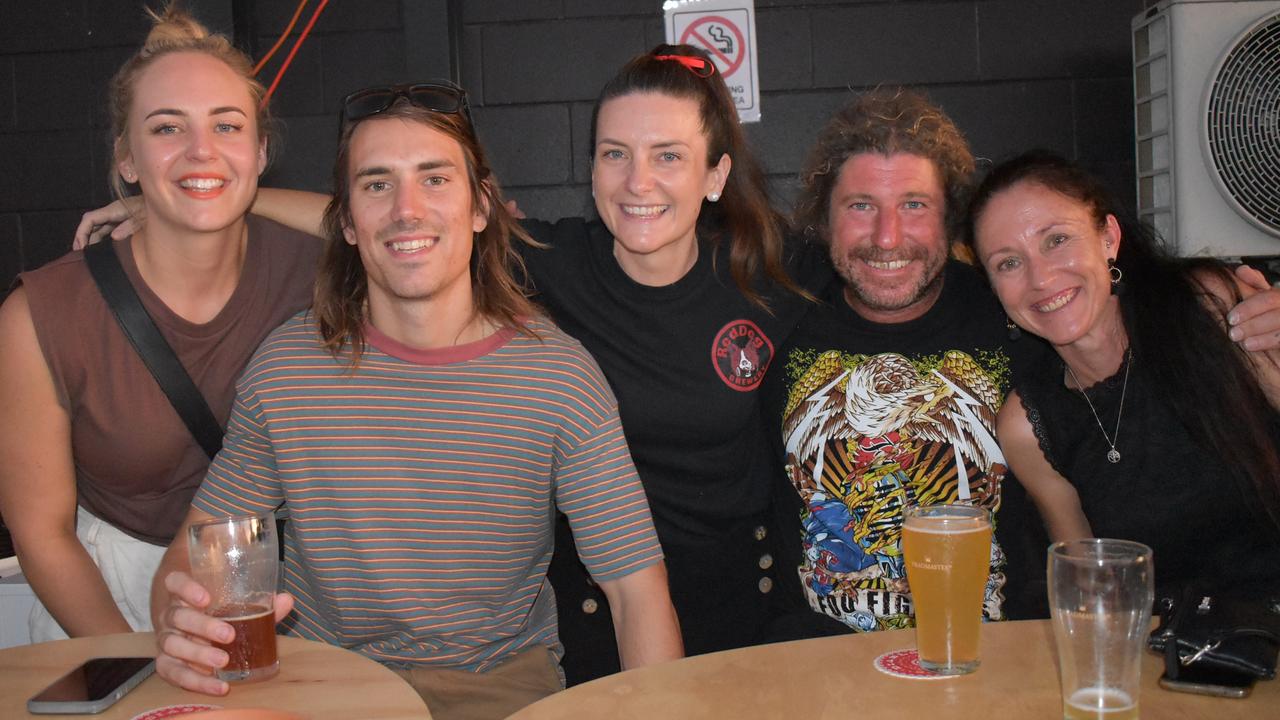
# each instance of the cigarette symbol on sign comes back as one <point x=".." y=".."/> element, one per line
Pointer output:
<point x="721" y="39"/>
<point x="723" y="42"/>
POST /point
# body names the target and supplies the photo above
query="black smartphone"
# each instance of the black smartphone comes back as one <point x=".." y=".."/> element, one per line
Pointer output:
<point x="93" y="687"/>
<point x="1209" y="682"/>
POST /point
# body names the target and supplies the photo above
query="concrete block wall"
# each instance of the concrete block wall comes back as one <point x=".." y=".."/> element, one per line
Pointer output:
<point x="1014" y="74"/>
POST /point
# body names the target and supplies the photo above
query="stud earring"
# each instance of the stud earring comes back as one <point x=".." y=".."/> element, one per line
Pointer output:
<point x="713" y="196"/>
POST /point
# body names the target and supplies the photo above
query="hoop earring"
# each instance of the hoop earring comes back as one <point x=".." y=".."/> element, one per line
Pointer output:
<point x="1015" y="332"/>
<point x="1117" y="287"/>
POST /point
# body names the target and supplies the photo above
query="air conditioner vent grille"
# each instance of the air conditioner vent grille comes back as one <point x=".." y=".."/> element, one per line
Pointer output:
<point x="1242" y="124"/>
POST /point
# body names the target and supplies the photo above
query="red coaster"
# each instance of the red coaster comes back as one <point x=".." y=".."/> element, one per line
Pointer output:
<point x="905" y="664"/>
<point x="173" y="711"/>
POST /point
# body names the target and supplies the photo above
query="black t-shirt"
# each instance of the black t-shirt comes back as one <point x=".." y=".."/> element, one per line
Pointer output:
<point x="685" y="361"/>
<point x="871" y="418"/>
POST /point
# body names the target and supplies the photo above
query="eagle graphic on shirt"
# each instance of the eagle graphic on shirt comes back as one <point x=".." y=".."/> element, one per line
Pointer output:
<point x="866" y="436"/>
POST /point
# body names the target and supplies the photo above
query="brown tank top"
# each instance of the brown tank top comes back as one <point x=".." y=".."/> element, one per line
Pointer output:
<point x="136" y="464"/>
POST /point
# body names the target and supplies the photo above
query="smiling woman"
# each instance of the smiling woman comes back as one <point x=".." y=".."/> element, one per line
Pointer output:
<point x="1152" y="406"/>
<point x="96" y="468"/>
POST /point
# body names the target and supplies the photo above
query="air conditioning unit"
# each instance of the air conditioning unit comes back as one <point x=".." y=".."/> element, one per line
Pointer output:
<point x="1207" y="115"/>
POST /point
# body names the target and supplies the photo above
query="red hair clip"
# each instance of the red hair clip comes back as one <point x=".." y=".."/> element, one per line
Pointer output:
<point x="701" y="67"/>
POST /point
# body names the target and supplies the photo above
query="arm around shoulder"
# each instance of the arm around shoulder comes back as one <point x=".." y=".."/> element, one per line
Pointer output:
<point x="644" y="619"/>
<point x="298" y="209"/>
<point x="1054" y="496"/>
<point x="1260" y="333"/>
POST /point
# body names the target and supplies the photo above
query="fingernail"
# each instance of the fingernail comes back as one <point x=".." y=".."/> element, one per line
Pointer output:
<point x="1235" y="334"/>
<point x="226" y="635"/>
<point x="1233" y="319"/>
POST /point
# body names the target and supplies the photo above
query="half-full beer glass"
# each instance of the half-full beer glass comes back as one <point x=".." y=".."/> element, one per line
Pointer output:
<point x="947" y="549"/>
<point x="237" y="560"/>
<point x="1100" y="595"/>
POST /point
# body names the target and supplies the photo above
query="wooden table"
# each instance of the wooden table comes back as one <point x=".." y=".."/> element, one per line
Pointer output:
<point x="834" y="678"/>
<point x="316" y="680"/>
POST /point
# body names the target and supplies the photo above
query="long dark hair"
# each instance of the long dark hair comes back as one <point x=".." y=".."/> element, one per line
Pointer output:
<point x="754" y="230"/>
<point x="342" y="286"/>
<point x="1207" y="378"/>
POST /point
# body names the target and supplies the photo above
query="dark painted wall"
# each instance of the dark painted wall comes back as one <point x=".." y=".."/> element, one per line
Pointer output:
<point x="1014" y="73"/>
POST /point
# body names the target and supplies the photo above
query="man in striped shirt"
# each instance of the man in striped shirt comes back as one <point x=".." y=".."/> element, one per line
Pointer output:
<point x="421" y="424"/>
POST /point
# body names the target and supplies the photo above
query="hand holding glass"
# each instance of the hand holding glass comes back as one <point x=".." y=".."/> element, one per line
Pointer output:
<point x="947" y="549"/>
<point x="1100" y="595"/>
<point x="236" y="559"/>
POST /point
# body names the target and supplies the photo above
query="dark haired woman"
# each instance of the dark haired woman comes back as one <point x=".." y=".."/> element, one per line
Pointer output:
<point x="681" y="294"/>
<point x="1155" y="426"/>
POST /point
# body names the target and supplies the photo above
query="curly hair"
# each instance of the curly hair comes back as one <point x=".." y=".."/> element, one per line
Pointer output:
<point x="885" y="121"/>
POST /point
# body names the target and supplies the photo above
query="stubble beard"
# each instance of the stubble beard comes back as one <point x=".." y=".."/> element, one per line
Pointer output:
<point x="882" y="298"/>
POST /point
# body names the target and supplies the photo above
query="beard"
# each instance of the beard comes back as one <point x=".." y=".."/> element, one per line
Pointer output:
<point x="863" y="288"/>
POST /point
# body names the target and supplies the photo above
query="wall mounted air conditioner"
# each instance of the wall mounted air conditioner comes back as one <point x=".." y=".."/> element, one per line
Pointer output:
<point x="1207" y="115"/>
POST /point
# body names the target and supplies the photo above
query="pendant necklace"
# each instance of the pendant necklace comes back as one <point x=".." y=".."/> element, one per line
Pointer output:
<point x="1113" y="455"/>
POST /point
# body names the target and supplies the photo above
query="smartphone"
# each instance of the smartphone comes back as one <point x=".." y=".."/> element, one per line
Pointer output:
<point x="93" y="687"/>
<point x="1209" y="682"/>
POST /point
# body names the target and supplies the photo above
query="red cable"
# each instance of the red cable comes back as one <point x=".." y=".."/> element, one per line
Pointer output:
<point x="288" y="60"/>
<point x="283" y="36"/>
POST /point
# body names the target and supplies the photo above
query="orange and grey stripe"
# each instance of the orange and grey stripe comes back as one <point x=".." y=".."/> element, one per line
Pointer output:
<point x="422" y="495"/>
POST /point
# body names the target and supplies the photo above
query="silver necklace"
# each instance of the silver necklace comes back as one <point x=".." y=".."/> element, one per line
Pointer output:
<point x="1113" y="454"/>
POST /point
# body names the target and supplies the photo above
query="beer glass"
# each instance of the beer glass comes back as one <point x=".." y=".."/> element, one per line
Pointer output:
<point x="947" y="549"/>
<point x="237" y="560"/>
<point x="1100" y="596"/>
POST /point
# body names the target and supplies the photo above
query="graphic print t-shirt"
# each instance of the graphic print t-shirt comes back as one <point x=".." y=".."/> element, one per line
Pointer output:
<point x="875" y="418"/>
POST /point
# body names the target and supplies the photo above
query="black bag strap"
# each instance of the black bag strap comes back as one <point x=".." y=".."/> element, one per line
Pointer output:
<point x="156" y="354"/>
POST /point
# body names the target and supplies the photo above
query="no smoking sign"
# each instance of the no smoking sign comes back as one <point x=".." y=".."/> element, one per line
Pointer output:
<point x="726" y="29"/>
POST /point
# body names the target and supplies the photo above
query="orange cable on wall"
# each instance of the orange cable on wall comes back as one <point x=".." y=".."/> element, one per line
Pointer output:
<point x="294" y="51"/>
<point x="283" y="36"/>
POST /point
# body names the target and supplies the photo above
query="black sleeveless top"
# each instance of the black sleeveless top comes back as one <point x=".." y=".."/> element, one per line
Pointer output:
<point x="1202" y="522"/>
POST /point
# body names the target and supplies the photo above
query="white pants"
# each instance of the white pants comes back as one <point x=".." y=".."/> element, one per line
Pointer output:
<point x="127" y="566"/>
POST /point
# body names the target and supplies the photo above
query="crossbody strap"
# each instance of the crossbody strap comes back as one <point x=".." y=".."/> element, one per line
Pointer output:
<point x="159" y="358"/>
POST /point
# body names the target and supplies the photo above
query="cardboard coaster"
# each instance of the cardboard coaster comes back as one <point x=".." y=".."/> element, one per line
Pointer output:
<point x="905" y="664"/>
<point x="169" y="711"/>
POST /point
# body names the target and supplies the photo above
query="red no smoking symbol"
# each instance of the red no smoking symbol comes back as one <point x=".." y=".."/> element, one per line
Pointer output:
<point x="719" y="37"/>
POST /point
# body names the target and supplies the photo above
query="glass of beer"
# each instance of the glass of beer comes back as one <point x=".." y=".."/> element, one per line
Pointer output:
<point x="947" y="549"/>
<point x="237" y="560"/>
<point x="1100" y="596"/>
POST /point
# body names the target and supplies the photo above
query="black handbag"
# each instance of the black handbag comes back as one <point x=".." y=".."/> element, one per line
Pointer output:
<point x="1237" y="634"/>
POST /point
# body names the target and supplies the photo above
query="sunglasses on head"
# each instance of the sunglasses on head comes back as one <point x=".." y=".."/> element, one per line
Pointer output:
<point x="442" y="97"/>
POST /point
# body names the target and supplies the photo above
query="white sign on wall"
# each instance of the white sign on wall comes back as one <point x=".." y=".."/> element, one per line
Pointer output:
<point x="726" y="29"/>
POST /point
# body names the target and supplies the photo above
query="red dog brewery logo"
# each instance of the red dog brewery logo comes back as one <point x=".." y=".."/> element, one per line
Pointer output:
<point x="741" y="354"/>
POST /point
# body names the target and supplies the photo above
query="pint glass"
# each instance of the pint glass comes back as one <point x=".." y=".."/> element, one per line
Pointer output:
<point x="1100" y="596"/>
<point x="947" y="549"/>
<point x="237" y="560"/>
